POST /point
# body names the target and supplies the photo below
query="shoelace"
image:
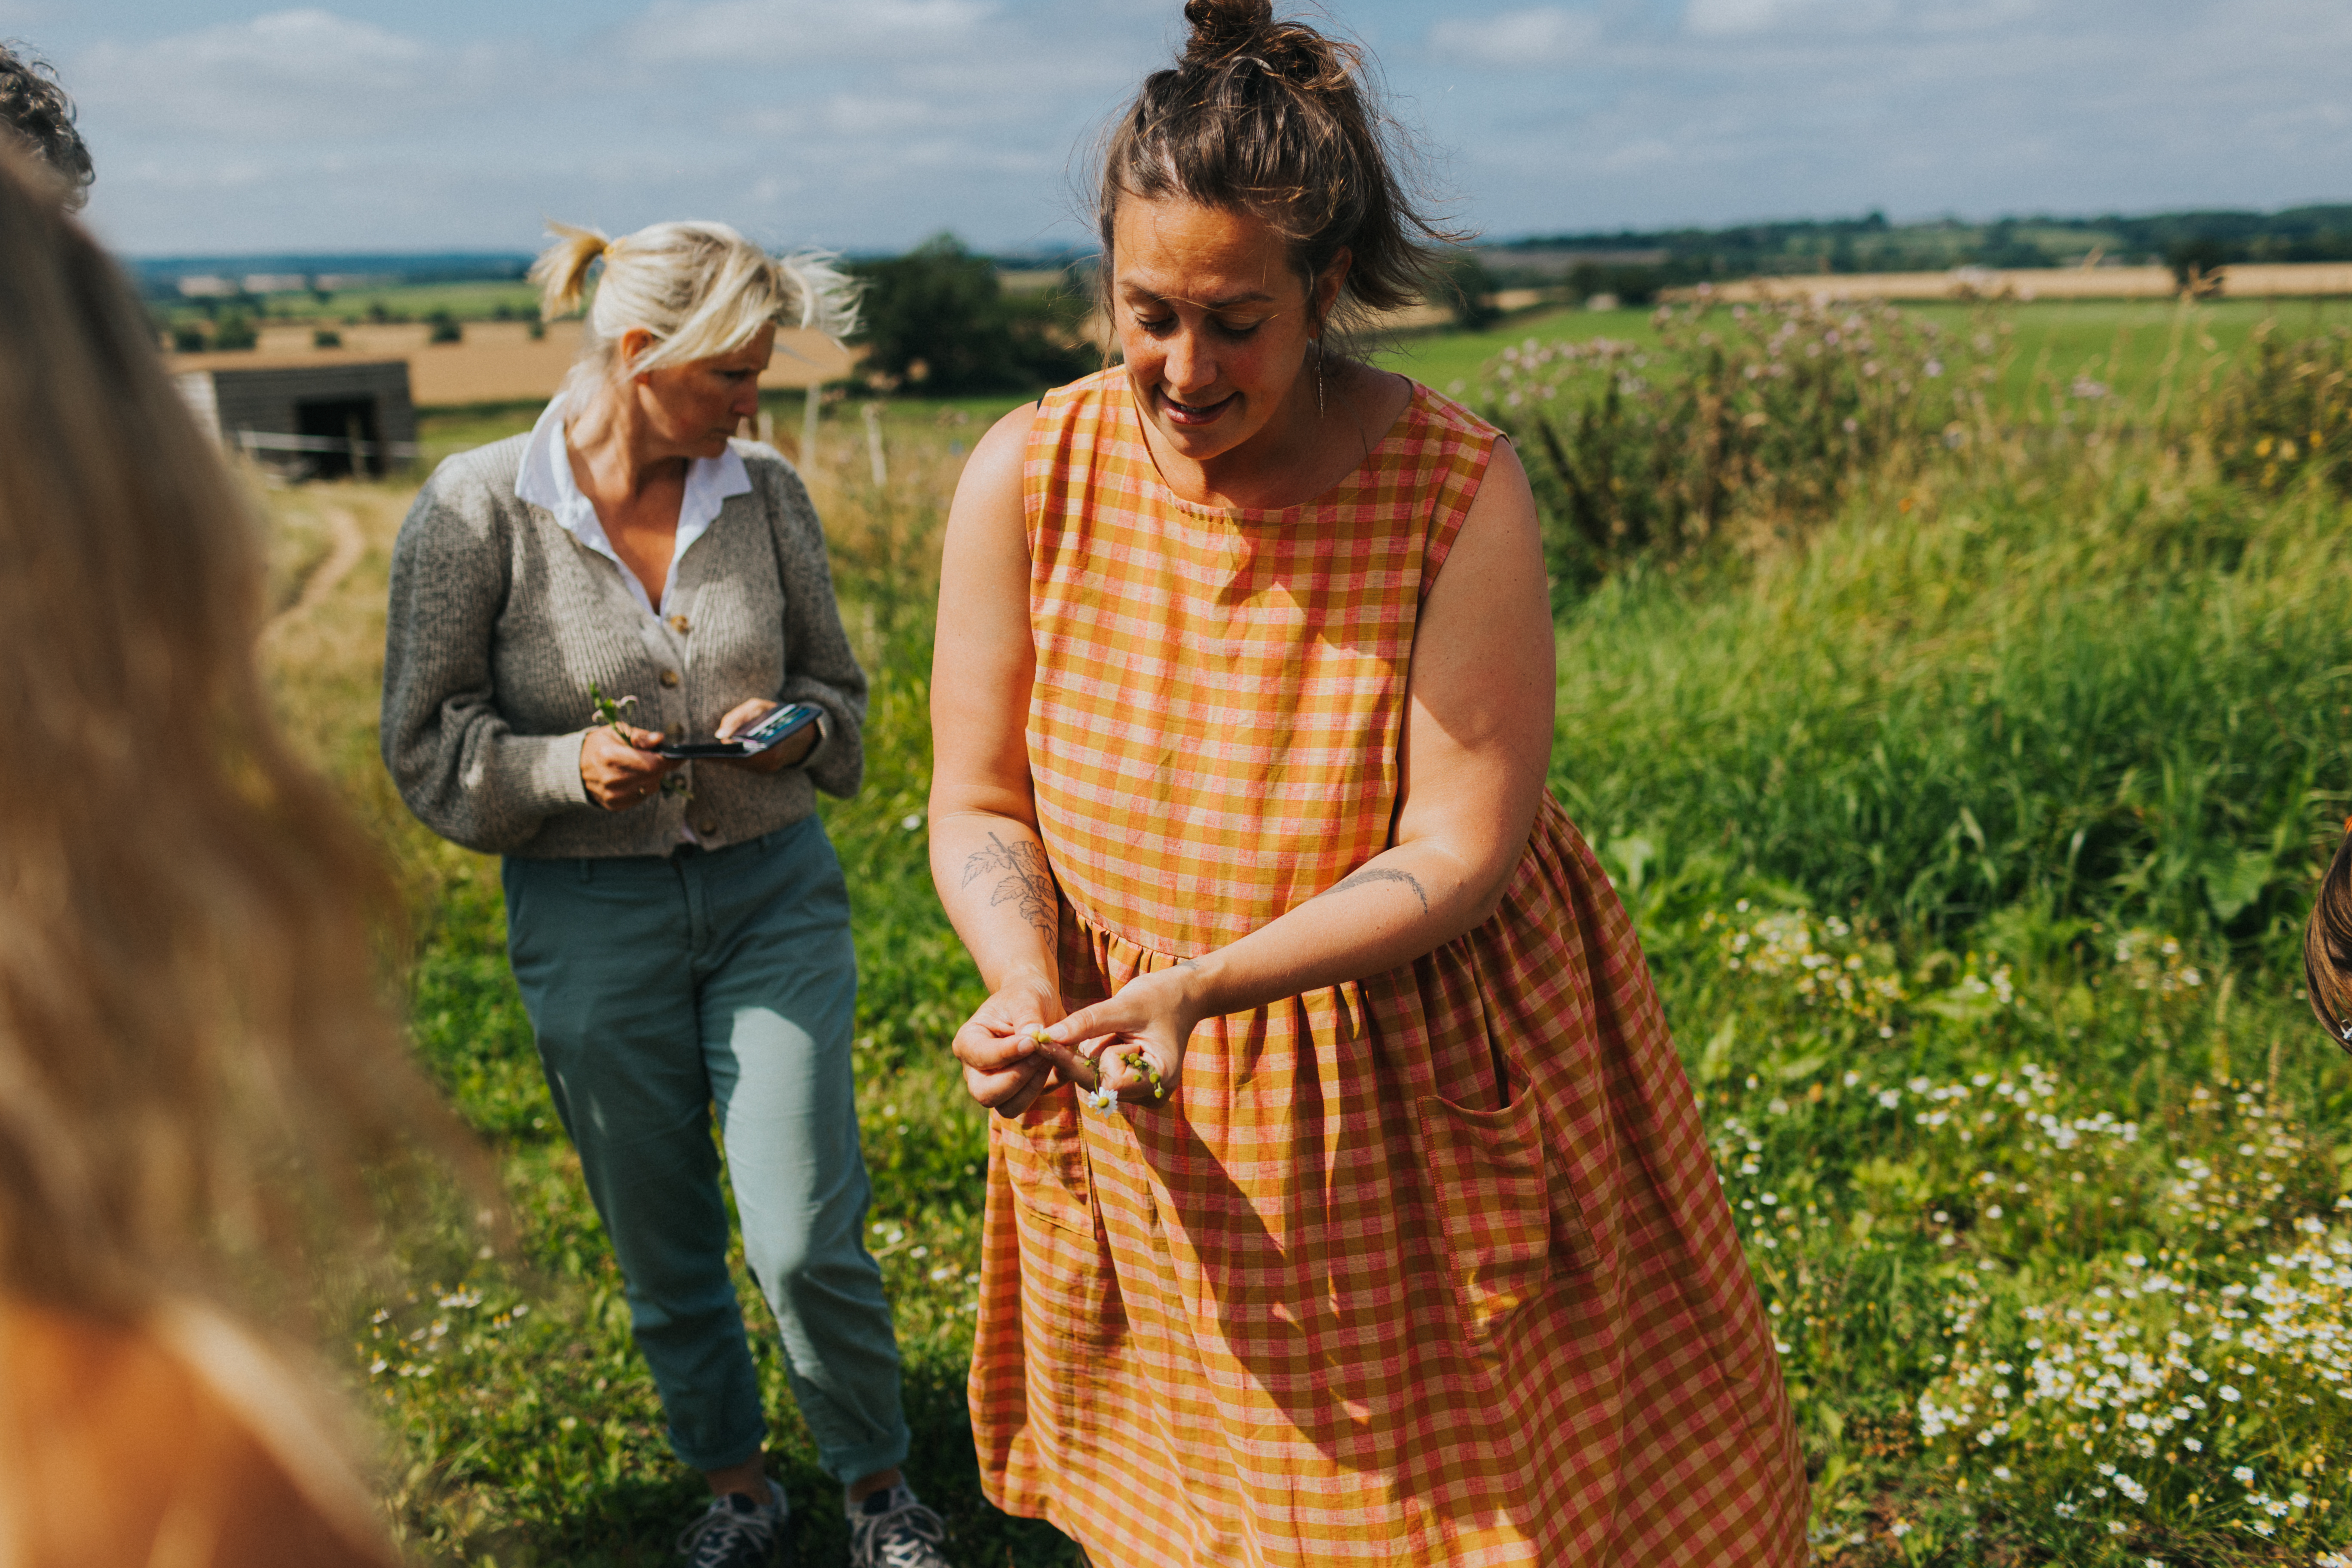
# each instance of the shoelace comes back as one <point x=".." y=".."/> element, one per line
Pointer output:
<point x="712" y="1540"/>
<point x="908" y="1536"/>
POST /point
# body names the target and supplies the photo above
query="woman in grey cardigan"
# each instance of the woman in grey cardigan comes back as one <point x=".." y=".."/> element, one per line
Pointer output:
<point x="679" y="930"/>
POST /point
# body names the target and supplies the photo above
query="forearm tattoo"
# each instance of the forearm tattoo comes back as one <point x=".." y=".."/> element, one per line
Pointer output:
<point x="1028" y="883"/>
<point x="1372" y="874"/>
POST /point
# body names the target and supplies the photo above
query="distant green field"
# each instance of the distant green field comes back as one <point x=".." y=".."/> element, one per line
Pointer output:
<point x="953" y="424"/>
<point x="479" y="300"/>
<point x="2124" y="344"/>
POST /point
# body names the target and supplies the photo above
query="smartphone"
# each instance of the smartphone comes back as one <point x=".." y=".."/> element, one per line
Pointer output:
<point x="787" y="721"/>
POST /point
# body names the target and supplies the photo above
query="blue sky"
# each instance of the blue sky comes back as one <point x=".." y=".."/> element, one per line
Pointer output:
<point x="225" y="126"/>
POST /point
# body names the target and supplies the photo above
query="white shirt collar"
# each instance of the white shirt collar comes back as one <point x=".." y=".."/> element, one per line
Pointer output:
<point x="546" y="480"/>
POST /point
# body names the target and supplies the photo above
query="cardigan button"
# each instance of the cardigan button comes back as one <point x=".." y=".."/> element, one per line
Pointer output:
<point x="707" y="824"/>
<point x="670" y="678"/>
<point x="680" y="625"/>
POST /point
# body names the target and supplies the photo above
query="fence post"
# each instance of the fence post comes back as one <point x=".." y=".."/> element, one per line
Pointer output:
<point x="808" y="425"/>
<point x="873" y="445"/>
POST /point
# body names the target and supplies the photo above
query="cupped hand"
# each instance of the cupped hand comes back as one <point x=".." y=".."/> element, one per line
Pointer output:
<point x="783" y="755"/>
<point x="1152" y="1017"/>
<point x="1005" y="1066"/>
<point x="619" y="767"/>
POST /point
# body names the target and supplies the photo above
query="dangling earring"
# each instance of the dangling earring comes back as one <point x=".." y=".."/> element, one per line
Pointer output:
<point x="1318" y="342"/>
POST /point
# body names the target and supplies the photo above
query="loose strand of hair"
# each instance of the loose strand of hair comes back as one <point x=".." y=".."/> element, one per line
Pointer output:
<point x="561" y="269"/>
<point x="2327" y="946"/>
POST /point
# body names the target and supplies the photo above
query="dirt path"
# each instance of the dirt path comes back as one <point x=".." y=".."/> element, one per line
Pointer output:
<point x="349" y="545"/>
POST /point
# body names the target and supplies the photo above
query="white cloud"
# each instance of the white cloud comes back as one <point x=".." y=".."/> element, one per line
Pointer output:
<point x="1716" y="18"/>
<point x="1545" y="36"/>
<point x="283" y="46"/>
<point x="1739" y="19"/>
<point x="850" y="114"/>
<point x="802" y="32"/>
<point x="307" y="73"/>
<point x="870" y="123"/>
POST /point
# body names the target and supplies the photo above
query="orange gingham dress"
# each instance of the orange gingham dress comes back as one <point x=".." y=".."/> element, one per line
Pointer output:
<point x="1341" y="1300"/>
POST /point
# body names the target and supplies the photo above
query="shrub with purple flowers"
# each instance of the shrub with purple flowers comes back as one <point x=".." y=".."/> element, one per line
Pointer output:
<point x="1648" y="450"/>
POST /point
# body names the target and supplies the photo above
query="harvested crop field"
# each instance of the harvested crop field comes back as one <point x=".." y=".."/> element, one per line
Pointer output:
<point x="496" y="361"/>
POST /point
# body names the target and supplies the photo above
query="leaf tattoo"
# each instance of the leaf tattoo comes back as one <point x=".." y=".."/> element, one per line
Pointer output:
<point x="1027" y="884"/>
<point x="1372" y="874"/>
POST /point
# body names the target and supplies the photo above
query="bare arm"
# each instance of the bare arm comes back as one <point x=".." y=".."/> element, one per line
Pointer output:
<point x="986" y="859"/>
<point x="1477" y="739"/>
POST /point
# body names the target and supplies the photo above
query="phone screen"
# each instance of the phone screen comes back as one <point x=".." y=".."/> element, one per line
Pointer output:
<point x="785" y="721"/>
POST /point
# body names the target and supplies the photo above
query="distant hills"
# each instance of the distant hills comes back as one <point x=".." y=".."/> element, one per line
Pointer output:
<point x="1633" y="262"/>
<point x="165" y="276"/>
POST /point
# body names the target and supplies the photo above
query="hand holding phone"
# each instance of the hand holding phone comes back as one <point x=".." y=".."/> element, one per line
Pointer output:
<point x="773" y="728"/>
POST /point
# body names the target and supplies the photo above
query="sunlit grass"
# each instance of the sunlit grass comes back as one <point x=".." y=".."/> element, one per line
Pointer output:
<point x="2129" y="346"/>
<point x="1967" y="841"/>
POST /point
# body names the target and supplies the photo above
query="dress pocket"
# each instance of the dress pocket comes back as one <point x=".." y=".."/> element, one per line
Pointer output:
<point x="1044" y="1154"/>
<point x="1486" y="1168"/>
<point x="1069" y="1288"/>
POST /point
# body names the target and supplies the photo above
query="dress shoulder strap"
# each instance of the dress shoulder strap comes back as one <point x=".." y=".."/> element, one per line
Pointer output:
<point x="1447" y="448"/>
<point x="1079" y="431"/>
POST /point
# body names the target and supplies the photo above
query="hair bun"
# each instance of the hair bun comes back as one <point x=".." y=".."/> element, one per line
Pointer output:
<point x="1223" y="27"/>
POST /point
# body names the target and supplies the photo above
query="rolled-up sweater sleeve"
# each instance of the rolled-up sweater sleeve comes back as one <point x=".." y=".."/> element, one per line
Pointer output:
<point x="820" y="667"/>
<point x="451" y="754"/>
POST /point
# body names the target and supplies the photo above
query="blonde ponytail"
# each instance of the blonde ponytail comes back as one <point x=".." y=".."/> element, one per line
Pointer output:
<point x="561" y="269"/>
<point x="701" y="289"/>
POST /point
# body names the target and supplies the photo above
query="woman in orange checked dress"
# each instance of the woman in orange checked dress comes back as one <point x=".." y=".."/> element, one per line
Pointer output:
<point x="1242" y="707"/>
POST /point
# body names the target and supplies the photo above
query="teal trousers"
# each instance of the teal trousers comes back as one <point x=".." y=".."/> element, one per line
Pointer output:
<point x="660" y="988"/>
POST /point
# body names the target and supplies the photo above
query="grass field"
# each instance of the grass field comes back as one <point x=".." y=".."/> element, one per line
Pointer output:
<point x="2125" y="345"/>
<point x="1967" y="830"/>
<point x="477" y="301"/>
<point x="929" y="429"/>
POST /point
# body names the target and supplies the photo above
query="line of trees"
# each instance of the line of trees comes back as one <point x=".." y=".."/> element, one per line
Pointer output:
<point x="1634" y="264"/>
<point x="939" y="319"/>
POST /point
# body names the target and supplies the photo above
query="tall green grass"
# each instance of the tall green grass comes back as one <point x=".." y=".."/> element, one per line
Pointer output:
<point x="2102" y="683"/>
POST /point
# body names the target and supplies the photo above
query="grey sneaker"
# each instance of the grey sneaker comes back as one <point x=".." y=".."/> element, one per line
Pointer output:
<point x="736" y="1532"/>
<point x="891" y="1530"/>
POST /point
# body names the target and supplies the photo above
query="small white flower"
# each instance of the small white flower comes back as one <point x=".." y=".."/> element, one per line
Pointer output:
<point x="2243" y="1475"/>
<point x="1099" y="1099"/>
<point x="2228" y="1394"/>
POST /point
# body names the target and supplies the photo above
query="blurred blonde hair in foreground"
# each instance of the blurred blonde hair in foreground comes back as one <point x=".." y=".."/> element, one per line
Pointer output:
<point x="194" y="1069"/>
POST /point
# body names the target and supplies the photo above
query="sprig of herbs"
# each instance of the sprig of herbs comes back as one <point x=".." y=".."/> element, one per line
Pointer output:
<point x="608" y="710"/>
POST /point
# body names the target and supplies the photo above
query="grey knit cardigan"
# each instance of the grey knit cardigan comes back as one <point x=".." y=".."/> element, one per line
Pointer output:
<point x="500" y="620"/>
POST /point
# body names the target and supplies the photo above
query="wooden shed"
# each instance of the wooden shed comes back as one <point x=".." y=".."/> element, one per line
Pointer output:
<point x="320" y="421"/>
